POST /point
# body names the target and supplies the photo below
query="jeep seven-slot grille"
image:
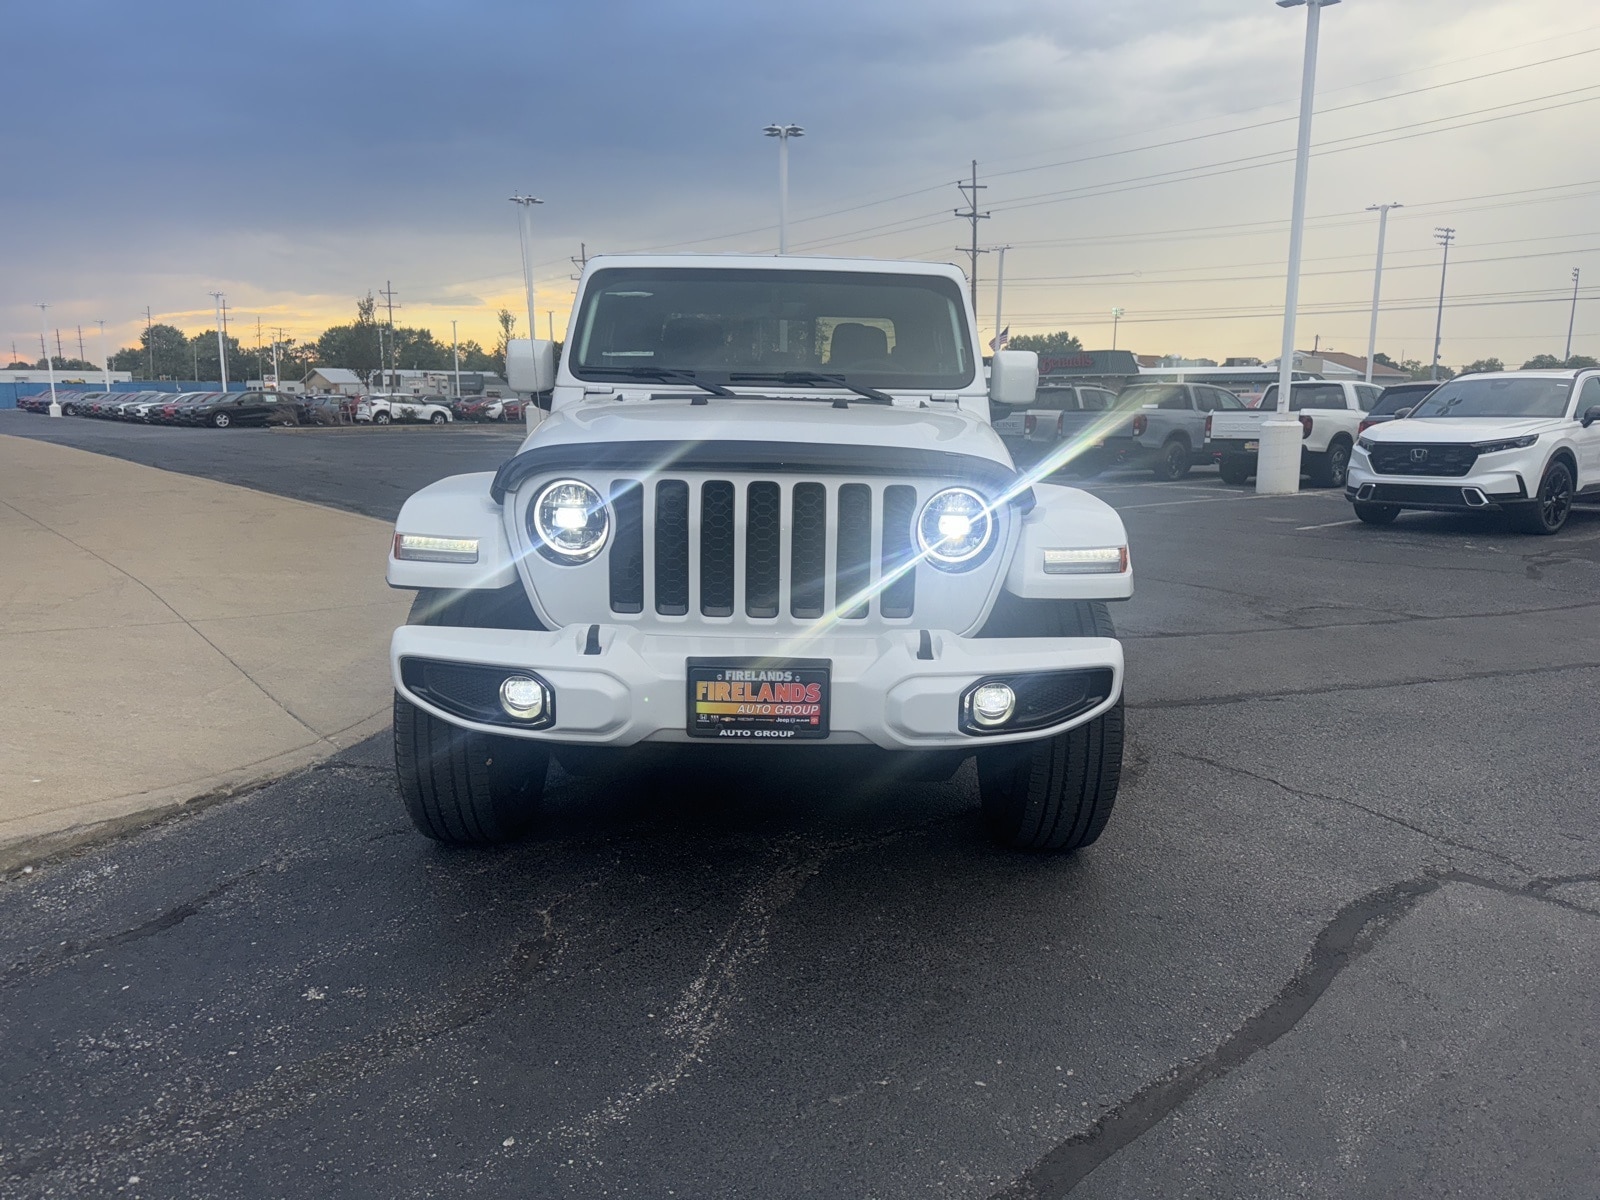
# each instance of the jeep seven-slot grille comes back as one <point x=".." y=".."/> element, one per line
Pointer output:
<point x="1405" y="458"/>
<point x="773" y="537"/>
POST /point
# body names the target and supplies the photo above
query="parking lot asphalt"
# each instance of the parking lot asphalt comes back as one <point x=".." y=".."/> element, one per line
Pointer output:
<point x="1339" y="939"/>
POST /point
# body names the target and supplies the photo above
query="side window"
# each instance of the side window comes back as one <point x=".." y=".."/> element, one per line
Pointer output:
<point x="1588" y="398"/>
<point x="1316" y="395"/>
<point x="1054" y="400"/>
<point x="1179" y="401"/>
<point x="1092" y="401"/>
<point x="1367" y="395"/>
<point x="1224" y="401"/>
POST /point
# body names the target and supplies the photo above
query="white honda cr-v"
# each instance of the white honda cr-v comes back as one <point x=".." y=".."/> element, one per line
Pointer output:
<point x="1525" y="442"/>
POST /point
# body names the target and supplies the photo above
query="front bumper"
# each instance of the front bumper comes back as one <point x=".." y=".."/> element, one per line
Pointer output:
<point x="619" y="686"/>
<point x="1478" y="491"/>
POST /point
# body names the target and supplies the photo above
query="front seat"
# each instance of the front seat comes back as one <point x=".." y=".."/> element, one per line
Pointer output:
<point x="857" y="345"/>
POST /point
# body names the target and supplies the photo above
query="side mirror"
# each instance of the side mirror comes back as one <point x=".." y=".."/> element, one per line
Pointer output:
<point x="1591" y="415"/>
<point x="1013" y="379"/>
<point x="530" y="366"/>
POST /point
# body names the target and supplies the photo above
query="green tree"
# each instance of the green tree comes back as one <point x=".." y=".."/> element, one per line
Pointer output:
<point x="475" y="358"/>
<point x="508" y="327"/>
<point x="63" y="364"/>
<point x="20" y="366"/>
<point x="203" y="364"/>
<point x="355" y="346"/>
<point x="1059" y="342"/>
<point x="1380" y="358"/>
<point x="166" y="344"/>
<point x="1582" y="362"/>
<point x="1483" y="364"/>
<point x="1542" y="362"/>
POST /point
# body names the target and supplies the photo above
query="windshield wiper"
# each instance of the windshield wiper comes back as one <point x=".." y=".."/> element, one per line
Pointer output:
<point x="660" y="375"/>
<point x="801" y="378"/>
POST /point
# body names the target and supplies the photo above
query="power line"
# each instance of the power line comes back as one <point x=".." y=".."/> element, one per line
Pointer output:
<point x="969" y="193"/>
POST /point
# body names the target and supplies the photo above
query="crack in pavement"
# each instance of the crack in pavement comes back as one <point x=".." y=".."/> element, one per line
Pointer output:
<point x="1335" y="689"/>
<point x="1353" y="932"/>
<point x="1306" y="794"/>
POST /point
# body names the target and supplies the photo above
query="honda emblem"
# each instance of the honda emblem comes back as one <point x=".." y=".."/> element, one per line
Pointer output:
<point x="1419" y="455"/>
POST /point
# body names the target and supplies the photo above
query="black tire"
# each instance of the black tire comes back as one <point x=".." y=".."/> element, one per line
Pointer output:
<point x="380" y="418"/>
<point x="1054" y="794"/>
<point x="1377" y="514"/>
<point x="1551" y="505"/>
<point x="462" y="787"/>
<point x="221" y="420"/>
<point x="438" y="419"/>
<point x="1332" y="467"/>
<point x="1173" y="462"/>
<point x="1236" y="470"/>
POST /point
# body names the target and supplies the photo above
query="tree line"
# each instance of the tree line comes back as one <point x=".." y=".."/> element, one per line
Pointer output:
<point x="166" y="352"/>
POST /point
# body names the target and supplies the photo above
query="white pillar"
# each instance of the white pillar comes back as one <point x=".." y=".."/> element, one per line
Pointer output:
<point x="999" y="294"/>
<point x="1377" y="283"/>
<point x="783" y="194"/>
<point x="105" y="358"/>
<point x="1278" y="459"/>
<point x="49" y="363"/>
<point x="455" y="351"/>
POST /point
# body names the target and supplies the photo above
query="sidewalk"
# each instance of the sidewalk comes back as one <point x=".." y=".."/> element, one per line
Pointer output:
<point x="164" y="637"/>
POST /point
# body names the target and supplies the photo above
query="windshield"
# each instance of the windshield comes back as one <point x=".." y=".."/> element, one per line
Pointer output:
<point x="883" y="330"/>
<point x="1500" y="397"/>
<point x="1395" y="399"/>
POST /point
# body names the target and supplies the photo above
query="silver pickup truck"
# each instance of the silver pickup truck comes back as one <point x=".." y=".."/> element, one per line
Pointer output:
<point x="1058" y="411"/>
<point x="1164" y="427"/>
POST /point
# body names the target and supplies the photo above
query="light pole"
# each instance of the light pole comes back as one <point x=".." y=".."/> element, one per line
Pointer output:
<point x="222" y="347"/>
<point x="1572" y="320"/>
<point x="455" y="352"/>
<point x="1116" y="317"/>
<point x="49" y="364"/>
<point x="1278" y="459"/>
<point x="105" y="359"/>
<point x="783" y="133"/>
<point x="1444" y="236"/>
<point x="1377" y="280"/>
<point x="524" y="232"/>
<point x="999" y="299"/>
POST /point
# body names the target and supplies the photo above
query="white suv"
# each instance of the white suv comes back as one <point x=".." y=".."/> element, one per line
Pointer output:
<point x="1526" y="442"/>
<point x="767" y="513"/>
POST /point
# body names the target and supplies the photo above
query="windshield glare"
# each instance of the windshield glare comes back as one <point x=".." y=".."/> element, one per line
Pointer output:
<point x="883" y="330"/>
<point x="1497" y="398"/>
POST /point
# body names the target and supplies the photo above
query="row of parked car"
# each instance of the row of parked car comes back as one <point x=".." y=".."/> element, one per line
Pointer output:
<point x="221" y="410"/>
<point x="1167" y="428"/>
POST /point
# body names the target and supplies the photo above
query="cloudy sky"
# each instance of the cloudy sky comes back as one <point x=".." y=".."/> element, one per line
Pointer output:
<point x="1137" y="155"/>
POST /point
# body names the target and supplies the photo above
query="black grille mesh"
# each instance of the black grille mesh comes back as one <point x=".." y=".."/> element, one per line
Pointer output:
<point x="762" y="548"/>
<point x="717" y="538"/>
<point x="1437" y="460"/>
<point x="854" y="561"/>
<point x="898" y="598"/>
<point x="672" y="547"/>
<point x="627" y="548"/>
<point x="808" y="556"/>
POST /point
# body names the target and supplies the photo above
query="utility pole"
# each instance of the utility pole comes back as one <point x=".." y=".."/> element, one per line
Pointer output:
<point x="222" y="344"/>
<point x="582" y="259"/>
<point x="50" y="367"/>
<point x="150" y="342"/>
<point x="969" y="193"/>
<point x="60" y="353"/>
<point x="389" y="294"/>
<point x="261" y="368"/>
<point x="105" y="359"/>
<point x="1377" y="280"/>
<point x="1572" y="320"/>
<point x="1116" y="317"/>
<point x="82" y="357"/>
<point x="1444" y="236"/>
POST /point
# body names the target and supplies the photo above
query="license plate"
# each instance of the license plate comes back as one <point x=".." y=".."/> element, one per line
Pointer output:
<point x="1252" y="446"/>
<point x="745" y="699"/>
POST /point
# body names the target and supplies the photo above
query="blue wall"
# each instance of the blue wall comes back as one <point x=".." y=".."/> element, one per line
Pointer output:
<point x="9" y="392"/>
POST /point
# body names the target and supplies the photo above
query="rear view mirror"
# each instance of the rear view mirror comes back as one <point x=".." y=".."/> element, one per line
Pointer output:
<point x="1591" y="415"/>
<point x="1013" y="379"/>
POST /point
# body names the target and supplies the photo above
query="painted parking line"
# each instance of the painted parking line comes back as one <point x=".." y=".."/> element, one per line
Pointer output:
<point x="1329" y="525"/>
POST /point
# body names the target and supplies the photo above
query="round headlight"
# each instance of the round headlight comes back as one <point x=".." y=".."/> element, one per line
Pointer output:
<point x="954" y="528"/>
<point x="570" y="519"/>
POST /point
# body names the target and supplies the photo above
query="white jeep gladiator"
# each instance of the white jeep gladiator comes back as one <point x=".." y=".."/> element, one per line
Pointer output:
<point x="766" y="510"/>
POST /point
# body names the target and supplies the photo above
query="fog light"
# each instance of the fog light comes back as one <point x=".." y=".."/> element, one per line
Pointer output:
<point x="522" y="698"/>
<point x="993" y="704"/>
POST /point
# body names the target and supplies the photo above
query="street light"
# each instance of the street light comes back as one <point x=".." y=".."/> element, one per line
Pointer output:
<point x="49" y="365"/>
<point x="1444" y="236"/>
<point x="1116" y="316"/>
<point x="1278" y="458"/>
<point x="222" y="345"/>
<point x="525" y="234"/>
<point x="1377" y="280"/>
<point x="1572" y="320"/>
<point x="783" y="133"/>
<point x="105" y="359"/>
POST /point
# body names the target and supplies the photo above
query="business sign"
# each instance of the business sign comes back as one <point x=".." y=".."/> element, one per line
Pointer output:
<point x="1090" y="362"/>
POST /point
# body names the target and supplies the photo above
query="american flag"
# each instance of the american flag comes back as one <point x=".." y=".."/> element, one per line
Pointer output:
<point x="998" y="342"/>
